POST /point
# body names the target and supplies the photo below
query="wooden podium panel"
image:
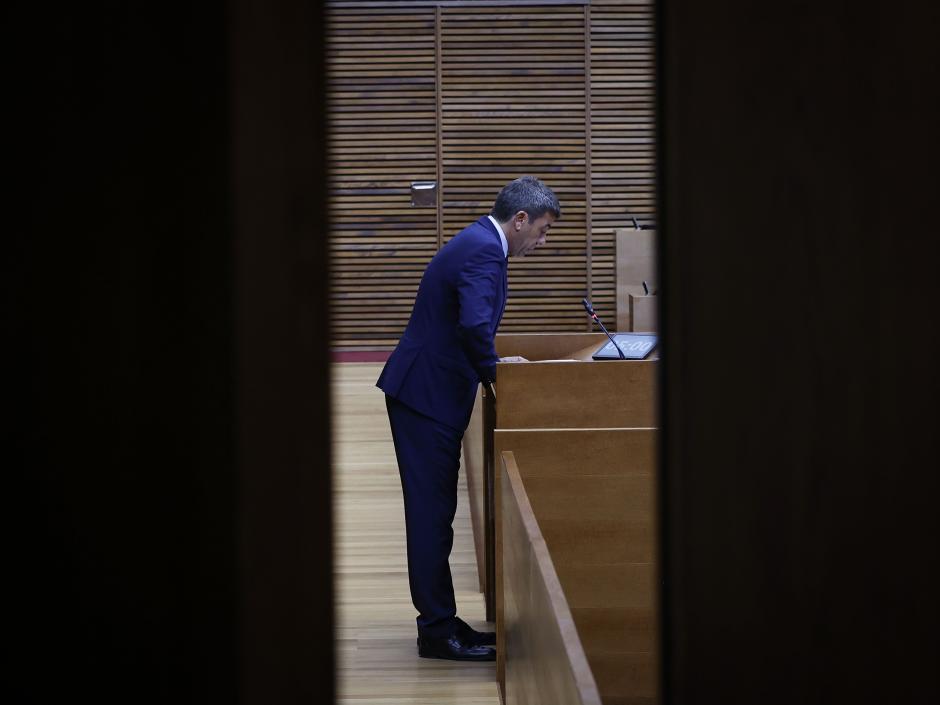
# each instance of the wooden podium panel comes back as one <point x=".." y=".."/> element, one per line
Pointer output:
<point x="473" y="464"/>
<point x="607" y="394"/>
<point x="593" y="495"/>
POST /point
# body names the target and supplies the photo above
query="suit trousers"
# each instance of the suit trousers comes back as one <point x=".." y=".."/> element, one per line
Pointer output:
<point x="428" y="454"/>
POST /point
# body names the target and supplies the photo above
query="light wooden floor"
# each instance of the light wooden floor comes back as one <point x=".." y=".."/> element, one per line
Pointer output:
<point x="377" y="658"/>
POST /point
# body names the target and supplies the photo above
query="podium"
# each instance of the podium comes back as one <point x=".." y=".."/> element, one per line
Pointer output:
<point x="574" y="422"/>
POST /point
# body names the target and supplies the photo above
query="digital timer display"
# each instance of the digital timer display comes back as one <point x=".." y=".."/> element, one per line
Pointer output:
<point x="635" y="346"/>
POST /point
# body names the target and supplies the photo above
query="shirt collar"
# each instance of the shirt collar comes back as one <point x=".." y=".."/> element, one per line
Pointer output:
<point x="502" y="236"/>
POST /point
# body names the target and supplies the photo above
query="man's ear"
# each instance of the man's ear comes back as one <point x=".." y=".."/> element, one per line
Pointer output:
<point x="519" y="219"/>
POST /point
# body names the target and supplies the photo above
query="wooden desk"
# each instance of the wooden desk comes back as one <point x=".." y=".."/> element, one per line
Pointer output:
<point x="547" y="395"/>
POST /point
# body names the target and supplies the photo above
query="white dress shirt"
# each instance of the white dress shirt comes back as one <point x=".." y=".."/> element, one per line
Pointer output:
<point x="502" y="236"/>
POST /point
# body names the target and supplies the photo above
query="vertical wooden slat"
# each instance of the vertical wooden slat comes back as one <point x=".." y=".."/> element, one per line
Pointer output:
<point x="588" y="220"/>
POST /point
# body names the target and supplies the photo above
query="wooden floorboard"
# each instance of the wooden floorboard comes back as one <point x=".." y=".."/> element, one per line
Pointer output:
<point x="377" y="657"/>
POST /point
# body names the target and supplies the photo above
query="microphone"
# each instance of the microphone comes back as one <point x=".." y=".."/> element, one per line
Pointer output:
<point x="590" y="311"/>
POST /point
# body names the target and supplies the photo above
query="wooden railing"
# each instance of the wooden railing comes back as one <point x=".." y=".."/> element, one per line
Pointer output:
<point x="592" y="493"/>
<point x="549" y="666"/>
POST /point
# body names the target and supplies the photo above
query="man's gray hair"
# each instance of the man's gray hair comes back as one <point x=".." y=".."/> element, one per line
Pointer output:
<point x="527" y="194"/>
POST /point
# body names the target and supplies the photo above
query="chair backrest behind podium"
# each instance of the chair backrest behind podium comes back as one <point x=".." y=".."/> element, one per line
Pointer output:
<point x="636" y="263"/>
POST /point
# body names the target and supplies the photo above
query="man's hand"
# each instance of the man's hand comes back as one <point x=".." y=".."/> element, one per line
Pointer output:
<point x="513" y="358"/>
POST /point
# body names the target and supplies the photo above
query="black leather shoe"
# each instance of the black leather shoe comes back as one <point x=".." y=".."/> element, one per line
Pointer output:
<point x="454" y="649"/>
<point x="471" y="636"/>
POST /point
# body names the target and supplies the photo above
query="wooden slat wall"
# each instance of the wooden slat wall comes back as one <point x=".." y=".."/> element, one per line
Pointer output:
<point x="622" y="117"/>
<point x="383" y="123"/>
<point x="512" y="104"/>
<point x="474" y="95"/>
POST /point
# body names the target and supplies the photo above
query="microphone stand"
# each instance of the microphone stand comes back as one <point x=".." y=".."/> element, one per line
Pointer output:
<point x="593" y="315"/>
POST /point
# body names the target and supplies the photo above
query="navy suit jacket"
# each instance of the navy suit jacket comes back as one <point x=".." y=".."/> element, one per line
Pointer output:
<point x="448" y="346"/>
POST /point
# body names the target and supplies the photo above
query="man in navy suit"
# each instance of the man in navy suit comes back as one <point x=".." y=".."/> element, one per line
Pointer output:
<point x="430" y="383"/>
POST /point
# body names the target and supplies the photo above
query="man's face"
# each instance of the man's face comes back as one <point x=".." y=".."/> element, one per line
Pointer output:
<point x="526" y="234"/>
